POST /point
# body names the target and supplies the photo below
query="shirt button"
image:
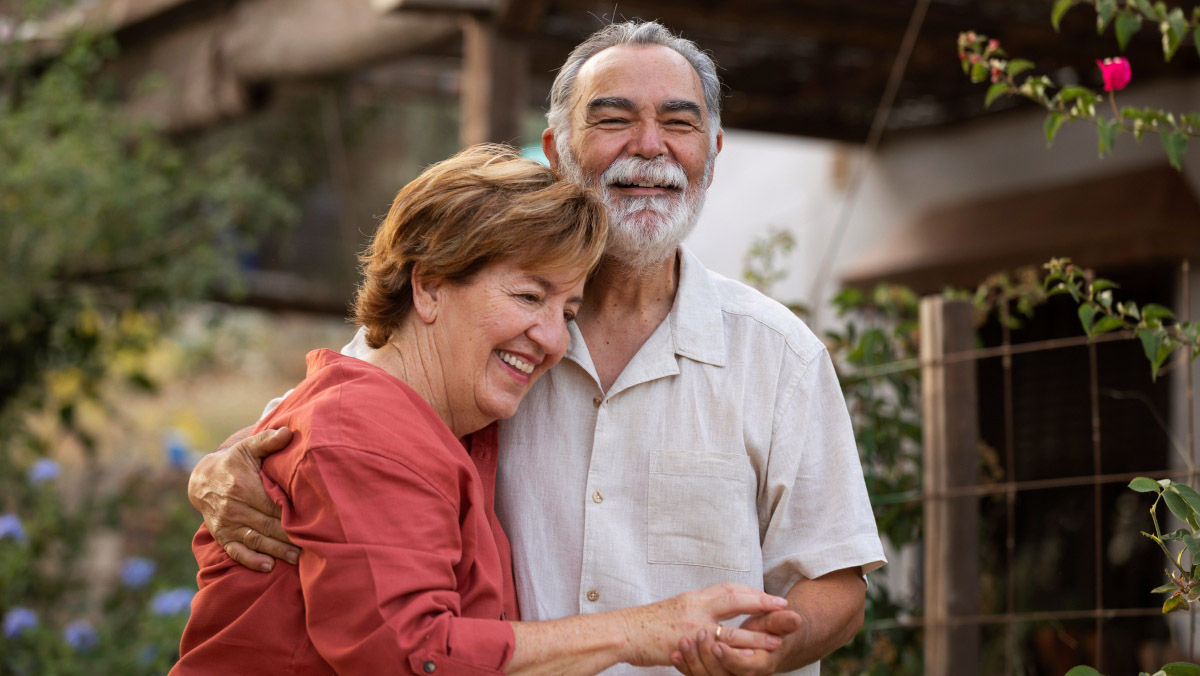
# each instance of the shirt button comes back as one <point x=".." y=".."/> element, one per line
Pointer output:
<point x="429" y="667"/>
<point x="593" y="595"/>
<point x="597" y="498"/>
<point x="597" y="401"/>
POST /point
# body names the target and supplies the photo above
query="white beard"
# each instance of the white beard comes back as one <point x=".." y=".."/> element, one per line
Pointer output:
<point x="645" y="230"/>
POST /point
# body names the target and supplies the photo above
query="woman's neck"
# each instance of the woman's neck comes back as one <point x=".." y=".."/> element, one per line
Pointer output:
<point x="411" y="356"/>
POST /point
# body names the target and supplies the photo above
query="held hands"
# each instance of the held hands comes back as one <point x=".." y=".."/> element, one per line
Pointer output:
<point x="654" y="630"/>
<point x="227" y="490"/>
<point x="711" y="655"/>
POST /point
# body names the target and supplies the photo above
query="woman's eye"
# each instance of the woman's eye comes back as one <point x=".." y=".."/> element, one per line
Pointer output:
<point x="529" y="297"/>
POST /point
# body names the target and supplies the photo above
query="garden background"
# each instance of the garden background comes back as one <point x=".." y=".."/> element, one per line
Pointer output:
<point x="183" y="187"/>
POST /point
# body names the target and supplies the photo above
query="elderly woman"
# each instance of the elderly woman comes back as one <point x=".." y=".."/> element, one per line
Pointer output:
<point x="468" y="288"/>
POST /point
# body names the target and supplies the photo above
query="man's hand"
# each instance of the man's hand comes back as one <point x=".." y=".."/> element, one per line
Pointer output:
<point x="829" y="611"/>
<point x="227" y="490"/>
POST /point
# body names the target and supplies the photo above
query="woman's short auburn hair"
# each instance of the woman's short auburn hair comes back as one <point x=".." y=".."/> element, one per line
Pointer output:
<point x="485" y="204"/>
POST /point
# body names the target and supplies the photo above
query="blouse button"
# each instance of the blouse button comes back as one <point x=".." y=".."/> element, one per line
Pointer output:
<point x="429" y="667"/>
<point x="597" y="498"/>
<point x="597" y="401"/>
<point x="593" y="595"/>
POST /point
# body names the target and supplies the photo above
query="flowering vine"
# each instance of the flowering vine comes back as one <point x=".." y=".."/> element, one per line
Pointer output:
<point x="983" y="59"/>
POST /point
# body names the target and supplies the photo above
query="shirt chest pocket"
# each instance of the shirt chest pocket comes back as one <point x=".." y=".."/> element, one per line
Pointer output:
<point x="700" y="510"/>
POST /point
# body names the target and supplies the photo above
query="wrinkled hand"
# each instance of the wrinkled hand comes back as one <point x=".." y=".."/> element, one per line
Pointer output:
<point x="227" y="490"/>
<point x="706" y="656"/>
<point x="655" y="629"/>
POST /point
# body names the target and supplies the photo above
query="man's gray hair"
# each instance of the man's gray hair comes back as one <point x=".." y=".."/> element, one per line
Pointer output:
<point x="646" y="33"/>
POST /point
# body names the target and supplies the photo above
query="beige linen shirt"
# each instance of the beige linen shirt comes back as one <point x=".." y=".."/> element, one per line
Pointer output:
<point x="723" y="452"/>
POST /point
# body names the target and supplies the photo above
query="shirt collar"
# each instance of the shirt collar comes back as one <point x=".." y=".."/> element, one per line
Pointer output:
<point x="695" y="329"/>
<point x="697" y="320"/>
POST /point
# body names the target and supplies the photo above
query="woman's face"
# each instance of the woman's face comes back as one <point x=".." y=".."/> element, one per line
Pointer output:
<point x="499" y="333"/>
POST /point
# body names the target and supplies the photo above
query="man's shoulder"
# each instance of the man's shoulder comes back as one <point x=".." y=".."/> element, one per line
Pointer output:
<point x="759" y="316"/>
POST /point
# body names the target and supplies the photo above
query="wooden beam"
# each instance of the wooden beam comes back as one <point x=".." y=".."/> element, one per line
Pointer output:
<point x="495" y="77"/>
<point x="474" y="6"/>
<point x="950" y="460"/>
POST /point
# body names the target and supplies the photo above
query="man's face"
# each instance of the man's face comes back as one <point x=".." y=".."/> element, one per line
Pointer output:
<point x="639" y="134"/>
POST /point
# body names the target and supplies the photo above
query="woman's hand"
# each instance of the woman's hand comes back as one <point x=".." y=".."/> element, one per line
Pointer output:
<point x="654" y="631"/>
<point x="226" y="489"/>
<point x="708" y="654"/>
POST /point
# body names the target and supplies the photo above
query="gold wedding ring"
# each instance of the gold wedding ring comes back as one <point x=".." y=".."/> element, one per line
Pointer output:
<point x="246" y="535"/>
<point x="718" y="632"/>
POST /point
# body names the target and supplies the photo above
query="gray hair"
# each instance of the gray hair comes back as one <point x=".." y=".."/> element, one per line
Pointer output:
<point x="647" y="33"/>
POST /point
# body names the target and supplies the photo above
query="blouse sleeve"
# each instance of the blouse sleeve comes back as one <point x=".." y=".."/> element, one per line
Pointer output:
<point x="381" y="547"/>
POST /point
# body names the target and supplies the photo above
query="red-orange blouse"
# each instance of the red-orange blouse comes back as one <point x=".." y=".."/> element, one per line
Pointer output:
<point x="404" y="569"/>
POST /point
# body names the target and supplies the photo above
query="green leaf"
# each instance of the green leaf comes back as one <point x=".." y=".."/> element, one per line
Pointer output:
<point x="1155" y="311"/>
<point x="1175" y="143"/>
<point x="1053" y="122"/>
<point x="1060" y="8"/>
<point x="1175" y="603"/>
<point x="1107" y="323"/>
<point x="1018" y="66"/>
<point x="1082" y="670"/>
<point x="1128" y="24"/>
<point x="1104" y="13"/>
<point x="994" y="92"/>
<point x="1189" y="495"/>
<point x="1144" y="485"/>
<point x="1072" y="92"/>
<point x="1104" y="284"/>
<point x="1087" y="316"/>
<point x="1177" y="535"/>
<point x="1144" y="7"/>
<point x="1176" y="504"/>
<point x="1181" y="669"/>
<point x="979" y="72"/>
<point x="1105" y="298"/>
<point x="1193" y="546"/>
<point x="1168" y="587"/>
<point x="1174" y="29"/>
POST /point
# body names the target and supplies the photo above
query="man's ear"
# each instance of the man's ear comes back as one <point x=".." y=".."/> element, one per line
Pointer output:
<point x="550" y="148"/>
<point x="427" y="294"/>
<point x="720" y="144"/>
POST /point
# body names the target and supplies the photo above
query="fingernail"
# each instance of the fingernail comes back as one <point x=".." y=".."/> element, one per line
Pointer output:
<point x="701" y="636"/>
<point x="773" y="641"/>
<point x="687" y="645"/>
<point x="780" y="603"/>
<point x="293" y="557"/>
<point x="266" y="567"/>
<point x="718" y="650"/>
<point x="748" y="653"/>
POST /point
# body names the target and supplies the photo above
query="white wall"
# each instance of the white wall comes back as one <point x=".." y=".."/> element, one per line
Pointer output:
<point x="765" y="180"/>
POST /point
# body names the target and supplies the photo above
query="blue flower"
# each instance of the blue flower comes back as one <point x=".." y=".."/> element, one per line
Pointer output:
<point x="172" y="602"/>
<point x="10" y="527"/>
<point x="80" y="635"/>
<point x="137" y="571"/>
<point x="17" y="620"/>
<point x="42" y="471"/>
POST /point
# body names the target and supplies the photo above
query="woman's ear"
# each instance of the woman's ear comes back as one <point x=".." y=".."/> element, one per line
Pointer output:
<point x="426" y="294"/>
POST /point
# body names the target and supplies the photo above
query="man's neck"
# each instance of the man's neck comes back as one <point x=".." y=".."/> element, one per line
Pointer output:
<point x="621" y="309"/>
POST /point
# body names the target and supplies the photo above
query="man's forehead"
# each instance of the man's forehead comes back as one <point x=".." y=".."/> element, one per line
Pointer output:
<point x="640" y="73"/>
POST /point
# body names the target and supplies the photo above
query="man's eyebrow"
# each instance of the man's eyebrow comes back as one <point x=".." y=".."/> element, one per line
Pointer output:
<point x="619" y="102"/>
<point x="681" y="106"/>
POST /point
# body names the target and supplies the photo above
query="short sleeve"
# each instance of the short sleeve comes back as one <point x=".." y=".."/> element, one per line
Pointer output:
<point x="815" y="504"/>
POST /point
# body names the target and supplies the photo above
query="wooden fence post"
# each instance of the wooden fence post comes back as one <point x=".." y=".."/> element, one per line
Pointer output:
<point x="950" y="460"/>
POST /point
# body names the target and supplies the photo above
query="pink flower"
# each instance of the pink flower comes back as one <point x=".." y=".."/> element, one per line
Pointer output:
<point x="993" y="45"/>
<point x="1116" y="73"/>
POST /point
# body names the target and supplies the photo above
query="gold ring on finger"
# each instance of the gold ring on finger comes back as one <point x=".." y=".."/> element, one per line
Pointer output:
<point x="246" y="535"/>
<point x="718" y="632"/>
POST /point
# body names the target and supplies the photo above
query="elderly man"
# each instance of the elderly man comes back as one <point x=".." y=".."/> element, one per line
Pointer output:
<point x="695" y="432"/>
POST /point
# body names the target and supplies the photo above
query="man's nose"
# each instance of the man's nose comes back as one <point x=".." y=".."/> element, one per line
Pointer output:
<point x="648" y="141"/>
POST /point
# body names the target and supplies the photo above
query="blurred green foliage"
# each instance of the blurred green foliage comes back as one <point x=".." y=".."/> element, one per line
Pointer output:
<point x="108" y="231"/>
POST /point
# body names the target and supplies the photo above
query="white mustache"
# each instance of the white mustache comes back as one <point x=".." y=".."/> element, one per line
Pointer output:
<point x="660" y="172"/>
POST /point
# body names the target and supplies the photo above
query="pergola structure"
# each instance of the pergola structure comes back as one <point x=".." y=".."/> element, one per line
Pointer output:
<point x="815" y="68"/>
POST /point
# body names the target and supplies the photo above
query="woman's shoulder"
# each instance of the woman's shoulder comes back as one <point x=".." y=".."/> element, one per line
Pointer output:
<point x="355" y="407"/>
